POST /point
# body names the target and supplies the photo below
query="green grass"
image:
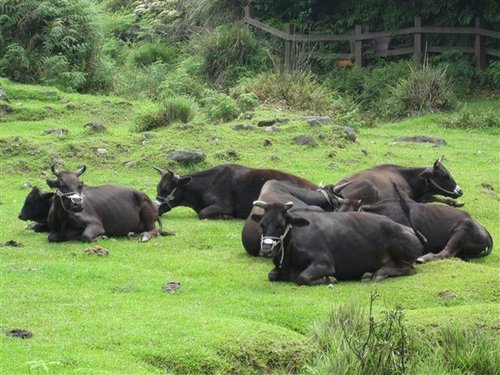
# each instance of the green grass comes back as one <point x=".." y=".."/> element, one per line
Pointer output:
<point x="110" y="315"/>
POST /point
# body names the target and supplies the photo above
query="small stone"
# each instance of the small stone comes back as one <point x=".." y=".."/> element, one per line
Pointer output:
<point x="96" y="126"/>
<point x="267" y="143"/>
<point x="97" y="250"/>
<point x="130" y="164"/>
<point x="422" y="139"/>
<point x="312" y="120"/>
<point x="187" y="156"/>
<point x="239" y="127"/>
<point x="3" y="95"/>
<point x="349" y="133"/>
<point x="101" y="151"/>
<point x="305" y="140"/>
<point x="57" y="132"/>
<point x="273" y="129"/>
<point x="264" y="123"/>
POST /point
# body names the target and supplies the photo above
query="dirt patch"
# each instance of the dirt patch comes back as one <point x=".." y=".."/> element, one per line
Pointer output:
<point x="171" y="286"/>
<point x="96" y="250"/>
<point x="20" y="333"/>
<point x="11" y="243"/>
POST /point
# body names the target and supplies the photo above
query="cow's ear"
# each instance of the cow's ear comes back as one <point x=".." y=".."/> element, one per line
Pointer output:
<point x="35" y="190"/>
<point x="54" y="184"/>
<point x="299" y="222"/>
<point x="256" y="217"/>
<point x="184" y="180"/>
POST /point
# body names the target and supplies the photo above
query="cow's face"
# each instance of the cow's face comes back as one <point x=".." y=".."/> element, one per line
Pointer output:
<point x="338" y="202"/>
<point x="274" y="224"/>
<point x="441" y="181"/>
<point x="69" y="189"/>
<point x="35" y="205"/>
<point x="168" y="190"/>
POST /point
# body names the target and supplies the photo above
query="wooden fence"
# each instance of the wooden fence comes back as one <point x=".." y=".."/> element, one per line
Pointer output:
<point x="379" y="41"/>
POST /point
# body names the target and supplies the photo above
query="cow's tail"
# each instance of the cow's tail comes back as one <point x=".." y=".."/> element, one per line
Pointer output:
<point x="485" y="252"/>
<point x="406" y="211"/>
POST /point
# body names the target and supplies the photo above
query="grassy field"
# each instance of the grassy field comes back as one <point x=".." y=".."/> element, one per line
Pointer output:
<point x="103" y="315"/>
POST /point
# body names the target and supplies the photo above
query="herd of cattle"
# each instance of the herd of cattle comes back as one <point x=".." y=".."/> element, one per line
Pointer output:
<point x="371" y="225"/>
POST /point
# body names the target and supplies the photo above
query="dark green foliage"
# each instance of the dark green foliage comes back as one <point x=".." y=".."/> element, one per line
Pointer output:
<point x="149" y="53"/>
<point x="230" y="52"/>
<point x="220" y="107"/>
<point x="465" y="119"/>
<point x="34" y="31"/>
<point x="173" y="110"/>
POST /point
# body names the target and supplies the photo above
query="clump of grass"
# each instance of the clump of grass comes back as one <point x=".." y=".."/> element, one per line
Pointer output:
<point x="220" y="107"/>
<point x="176" y="109"/>
<point x="424" y="90"/>
<point x="353" y="341"/>
<point x="466" y="119"/>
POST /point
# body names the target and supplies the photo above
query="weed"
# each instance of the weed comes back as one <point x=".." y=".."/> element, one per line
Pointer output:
<point x="149" y="53"/>
<point x="465" y="119"/>
<point x="220" y="107"/>
<point x="175" y="109"/>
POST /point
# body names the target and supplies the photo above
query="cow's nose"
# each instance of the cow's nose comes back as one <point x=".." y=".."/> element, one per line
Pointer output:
<point x="459" y="191"/>
<point x="20" y="217"/>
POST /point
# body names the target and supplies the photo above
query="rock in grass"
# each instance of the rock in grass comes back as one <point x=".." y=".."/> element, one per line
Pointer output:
<point x="57" y="132"/>
<point x="96" y="126"/>
<point x="239" y="127"/>
<point x="187" y="156"/>
<point x="305" y="140"/>
<point x="11" y="243"/>
<point x="20" y="333"/>
<point x="315" y="120"/>
<point x="422" y="139"/>
<point x="96" y="250"/>
<point x="3" y="95"/>
<point x="273" y="129"/>
<point x="349" y="133"/>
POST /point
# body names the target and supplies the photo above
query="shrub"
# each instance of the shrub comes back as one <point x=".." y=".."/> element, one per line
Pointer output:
<point x="459" y="68"/>
<point x="175" y="109"/>
<point x="230" y="52"/>
<point x="57" y="72"/>
<point x="136" y="83"/>
<point x="425" y="90"/>
<point x="220" y="107"/>
<point x="149" y="53"/>
<point x="34" y="30"/>
<point x="466" y="119"/>
<point x="185" y="79"/>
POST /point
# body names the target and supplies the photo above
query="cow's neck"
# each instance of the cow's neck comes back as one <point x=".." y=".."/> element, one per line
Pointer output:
<point x="418" y="186"/>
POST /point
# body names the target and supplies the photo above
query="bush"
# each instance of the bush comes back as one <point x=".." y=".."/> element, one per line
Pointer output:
<point x="466" y="119"/>
<point x="57" y="72"/>
<point x="220" y="107"/>
<point x="173" y="110"/>
<point x="35" y="30"/>
<point x="459" y="68"/>
<point x="425" y="90"/>
<point x="149" y="53"/>
<point x="230" y="52"/>
<point x="136" y="83"/>
<point x="185" y="79"/>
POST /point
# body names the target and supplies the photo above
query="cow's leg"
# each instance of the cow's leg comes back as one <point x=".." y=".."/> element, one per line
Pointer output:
<point x="460" y="240"/>
<point x="447" y="201"/>
<point x="315" y="273"/>
<point x="91" y="232"/>
<point x="393" y="270"/>
<point x="149" y="216"/>
<point x="55" y="236"/>
<point x="216" y="211"/>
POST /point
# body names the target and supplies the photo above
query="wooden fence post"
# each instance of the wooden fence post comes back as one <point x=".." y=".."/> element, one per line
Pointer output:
<point x="358" y="46"/>
<point x="479" y="46"/>
<point x="289" y="58"/>
<point x="248" y="12"/>
<point x="417" y="40"/>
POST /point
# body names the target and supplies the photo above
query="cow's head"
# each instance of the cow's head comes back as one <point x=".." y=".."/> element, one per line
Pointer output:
<point x="36" y="205"/>
<point x="168" y="192"/>
<point x="275" y="224"/>
<point x="339" y="203"/>
<point x="440" y="180"/>
<point x="68" y="188"/>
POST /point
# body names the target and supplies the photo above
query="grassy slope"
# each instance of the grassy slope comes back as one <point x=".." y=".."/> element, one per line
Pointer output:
<point x="109" y="315"/>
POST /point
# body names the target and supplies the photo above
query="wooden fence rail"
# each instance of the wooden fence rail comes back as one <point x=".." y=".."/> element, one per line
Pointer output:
<point x="380" y="40"/>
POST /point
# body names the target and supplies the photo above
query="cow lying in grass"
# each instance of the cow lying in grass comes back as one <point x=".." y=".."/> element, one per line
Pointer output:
<point x="308" y="247"/>
<point x="87" y="212"/>
<point x="421" y="184"/>
<point x="225" y="191"/>
<point x="36" y="208"/>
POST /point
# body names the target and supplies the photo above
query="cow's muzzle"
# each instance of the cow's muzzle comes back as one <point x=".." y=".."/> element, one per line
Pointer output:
<point x="268" y="244"/>
<point x="72" y="201"/>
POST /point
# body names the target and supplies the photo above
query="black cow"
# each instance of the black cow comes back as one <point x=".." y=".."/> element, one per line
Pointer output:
<point x="221" y="192"/>
<point x="36" y="208"/>
<point x="275" y="191"/>
<point x="308" y="247"/>
<point x="449" y="232"/>
<point x="86" y="212"/>
<point x="420" y="184"/>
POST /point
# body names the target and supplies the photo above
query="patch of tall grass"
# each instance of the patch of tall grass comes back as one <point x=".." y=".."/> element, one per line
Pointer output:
<point x="176" y="109"/>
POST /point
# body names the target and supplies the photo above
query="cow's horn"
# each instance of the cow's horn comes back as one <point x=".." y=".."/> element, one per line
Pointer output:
<point x="81" y="170"/>
<point x="338" y="188"/>
<point x="53" y="169"/>
<point x="440" y="160"/>
<point x="288" y="205"/>
<point x="160" y="171"/>
<point x="261" y="204"/>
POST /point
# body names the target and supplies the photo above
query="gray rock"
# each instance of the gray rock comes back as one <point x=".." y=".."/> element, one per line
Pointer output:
<point x="70" y="106"/>
<point x="186" y="156"/>
<point x="305" y="140"/>
<point x="264" y="123"/>
<point x="130" y="164"/>
<point x="58" y="132"/>
<point x="50" y="93"/>
<point x="273" y="129"/>
<point x="349" y="133"/>
<point x="3" y="95"/>
<point x="96" y="126"/>
<point x="239" y="127"/>
<point x="422" y="139"/>
<point x="314" y="123"/>
<point x="267" y="143"/>
<point x="101" y="151"/>
<point x="323" y="120"/>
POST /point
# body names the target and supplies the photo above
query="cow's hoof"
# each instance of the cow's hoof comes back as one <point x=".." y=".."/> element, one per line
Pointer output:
<point x="329" y="286"/>
<point x="378" y="278"/>
<point x="420" y="260"/>
<point x="273" y="275"/>
<point x="367" y="276"/>
<point x="30" y="226"/>
<point x="130" y="235"/>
